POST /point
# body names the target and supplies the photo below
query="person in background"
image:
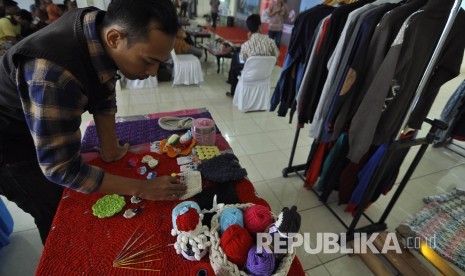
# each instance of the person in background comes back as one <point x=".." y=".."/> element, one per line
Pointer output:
<point x="257" y="45"/>
<point x="184" y="5"/>
<point x="63" y="8"/>
<point x="70" y="4"/>
<point x="11" y="7"/>
<point x="277" y="14"/>
<point x="190" y="9"/>
<point x="214" y="4"/>
<point x="53" y="12"/>
<point x="182" y="47"/>
<point x="10" y="29"/>
<point x="40" y="18"/>
<point x="45" y="90"/>
<point x="25" y="20"/>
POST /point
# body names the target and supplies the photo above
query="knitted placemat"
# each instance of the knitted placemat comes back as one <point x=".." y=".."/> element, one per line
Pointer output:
<point x="135" y="132"/>
<point x="444" y="219"/>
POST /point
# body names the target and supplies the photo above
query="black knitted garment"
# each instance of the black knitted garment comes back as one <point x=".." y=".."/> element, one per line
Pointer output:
<point x="222" y="169"/>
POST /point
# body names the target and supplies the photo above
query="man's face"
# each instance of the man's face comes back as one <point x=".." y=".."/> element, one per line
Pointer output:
<point x="142" y="58"/>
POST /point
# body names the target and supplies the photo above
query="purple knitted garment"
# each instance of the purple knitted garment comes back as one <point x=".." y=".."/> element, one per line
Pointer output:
<point x="136" y="132"/>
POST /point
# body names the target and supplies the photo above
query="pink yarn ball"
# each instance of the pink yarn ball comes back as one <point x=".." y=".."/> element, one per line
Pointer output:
<point x="257" y="218"/>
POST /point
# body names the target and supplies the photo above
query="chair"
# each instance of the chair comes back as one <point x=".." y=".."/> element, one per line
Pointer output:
<point x="187" y="69"/>
<point x="150" y="82"/>
<point x="253" y="88"/>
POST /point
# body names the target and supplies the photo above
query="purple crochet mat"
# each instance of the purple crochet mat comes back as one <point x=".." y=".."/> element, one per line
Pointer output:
<point x="136" y="132"/>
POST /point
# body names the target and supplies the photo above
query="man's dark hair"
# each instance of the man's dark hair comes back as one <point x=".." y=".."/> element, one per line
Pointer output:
<point x="25" y="15"/>
<point x="8" y="3"/>
<point x="253" y="23"/>
<point x="135" y="16"/>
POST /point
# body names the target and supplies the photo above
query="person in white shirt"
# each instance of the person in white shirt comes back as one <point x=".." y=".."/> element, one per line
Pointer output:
<point x="257" y="45"/>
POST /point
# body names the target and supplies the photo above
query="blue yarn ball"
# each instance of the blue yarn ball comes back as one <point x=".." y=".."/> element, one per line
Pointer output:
<point x="229" y="217"/>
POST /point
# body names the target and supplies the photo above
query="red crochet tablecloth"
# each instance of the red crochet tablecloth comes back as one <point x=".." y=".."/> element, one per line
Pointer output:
<point x="82" y="244"/>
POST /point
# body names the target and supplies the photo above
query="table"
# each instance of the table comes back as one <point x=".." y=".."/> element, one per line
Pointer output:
<point x="218" y="50"/>
<point x="80" y="243"/>
<point x="198" y="33"/>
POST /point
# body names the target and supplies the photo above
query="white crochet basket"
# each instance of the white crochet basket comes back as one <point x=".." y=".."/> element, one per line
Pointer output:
<point x="219" y="260"/>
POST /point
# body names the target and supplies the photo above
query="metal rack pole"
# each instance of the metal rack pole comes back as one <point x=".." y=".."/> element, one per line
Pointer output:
<point x="431" y="64"/>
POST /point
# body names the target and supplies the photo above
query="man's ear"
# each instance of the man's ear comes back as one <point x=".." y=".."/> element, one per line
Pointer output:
<point x="114" y="37"/>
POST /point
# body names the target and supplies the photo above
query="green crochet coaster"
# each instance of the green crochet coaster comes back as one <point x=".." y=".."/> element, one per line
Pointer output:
<point x="108" y="206"/>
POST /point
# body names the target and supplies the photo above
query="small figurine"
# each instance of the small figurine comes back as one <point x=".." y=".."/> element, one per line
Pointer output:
<point x="186" y="138"/>
<point x="130" y="213"/>
<point x="141" y="170"/>
<point x="133" y="162"/>
<point x="173" y="140"/>
<point x="136" y="199"/>
<point x="192" y="237"/>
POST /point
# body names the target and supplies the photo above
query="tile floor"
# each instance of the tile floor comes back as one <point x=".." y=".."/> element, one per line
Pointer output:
<point x="262" y="141"/>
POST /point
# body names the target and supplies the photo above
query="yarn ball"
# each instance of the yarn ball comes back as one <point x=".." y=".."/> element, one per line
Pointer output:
<point x="260" y="264"/>
<point x="182" y="208"/>
<point x="257" y="218"/>
<point x="188" y="221"/>
<point x="236" y="243"/>
<point x="229" y="217"/>
<point x="202" y="269"/>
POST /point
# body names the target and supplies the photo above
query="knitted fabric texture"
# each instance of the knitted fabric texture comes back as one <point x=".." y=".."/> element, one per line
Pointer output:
<point x="223" y="168"/>
<point x="257" y="219"/>
<point x="236" y="243"/>
<point x="443" y="218"/>
<point x="289" y="220"/>
<point x="193" y="180"/>
<point x="188" y="221"/>
<point x="202" y="269"/>
<point x="134" y="132"/>
<point x="182" y="208"/>
<point x="175" y="123"/>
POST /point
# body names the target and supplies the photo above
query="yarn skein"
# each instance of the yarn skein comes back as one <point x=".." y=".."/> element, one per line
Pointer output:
<point x="236" y="243"/>
<point x="229" y="217"/>
<point x="260" y="264"/>
<point x="257" y="218"/>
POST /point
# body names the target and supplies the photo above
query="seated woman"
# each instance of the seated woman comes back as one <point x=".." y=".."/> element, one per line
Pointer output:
<point x="182" y="47"/>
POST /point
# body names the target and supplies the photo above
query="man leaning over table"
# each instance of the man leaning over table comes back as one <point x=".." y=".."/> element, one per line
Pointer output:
<point x="44" y="91"/>
<point x="257" y="45"/>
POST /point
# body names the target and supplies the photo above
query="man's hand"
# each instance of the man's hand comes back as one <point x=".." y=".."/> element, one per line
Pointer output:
<point x="162" y="188"/>
<point x="113" y="154"/>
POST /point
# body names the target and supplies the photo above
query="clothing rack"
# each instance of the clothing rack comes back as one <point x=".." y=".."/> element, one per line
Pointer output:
<point x="394" y="146"/>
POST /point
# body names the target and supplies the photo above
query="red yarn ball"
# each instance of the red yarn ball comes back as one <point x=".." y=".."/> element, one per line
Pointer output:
<point x="236" y="243"/>
<point x="188" y="221"/>
<point x="257" y="218"/>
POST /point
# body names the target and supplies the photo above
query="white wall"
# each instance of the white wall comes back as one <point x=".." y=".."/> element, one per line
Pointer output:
<point x="203" y="7"/>
<point x="101" y="4"/>
<point x="25" y="4"/>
